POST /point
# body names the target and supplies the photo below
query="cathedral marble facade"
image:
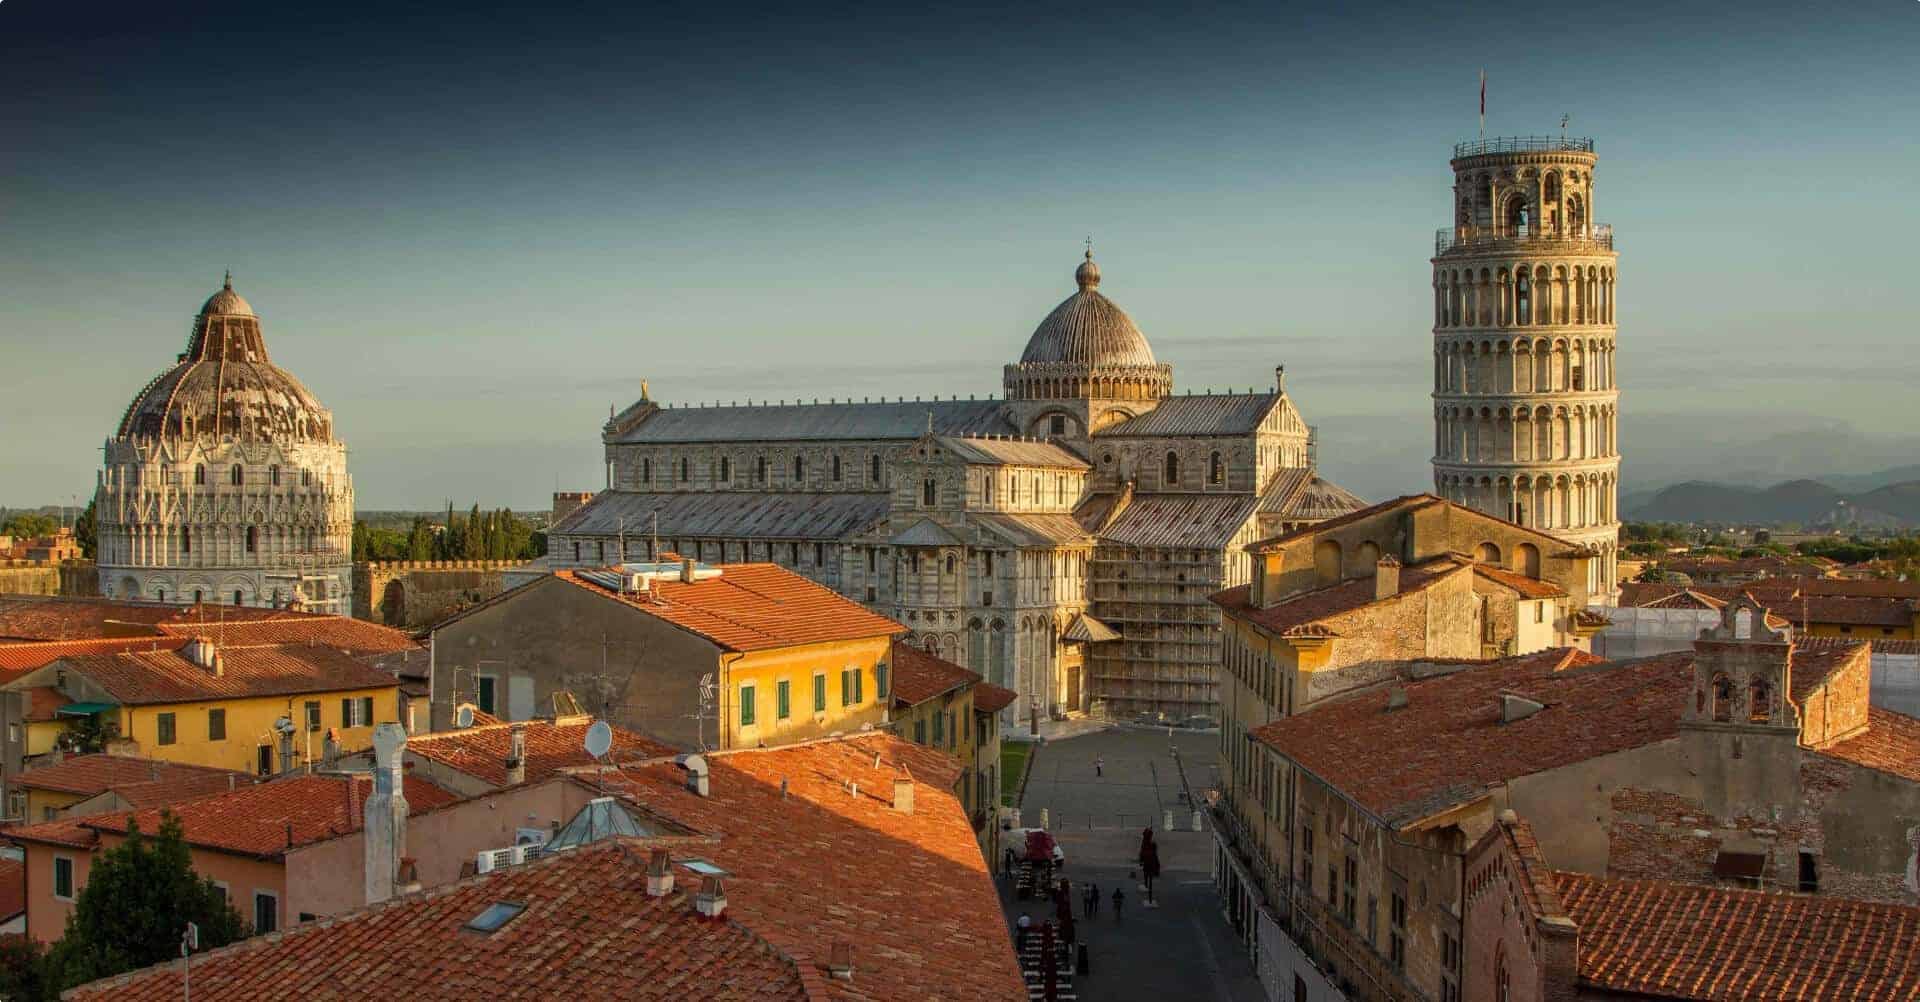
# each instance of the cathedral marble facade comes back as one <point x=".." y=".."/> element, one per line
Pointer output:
<point x="1061" y="540"/>
<point x="224" y="481"/>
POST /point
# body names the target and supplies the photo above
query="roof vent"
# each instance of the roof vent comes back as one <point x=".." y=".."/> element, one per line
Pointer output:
<point x="1397" y="698"/>
<point x="659" y="874"/>
<point x="696" y="766"/>
<point x="1386" y="578"/>
<point x="840" y="961"/>
<point x="1514" y="707"/>
<point x="200" y="651"/>
<point x="712" y="899"/>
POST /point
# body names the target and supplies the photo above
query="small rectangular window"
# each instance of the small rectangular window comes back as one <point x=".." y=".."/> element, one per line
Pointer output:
<point x="939" y="728"/>
<point x="366" y="711"/>
<point x="216" y="725"/>
<point x="746" y="706"/>
<point x="882" y="681"/>
<point x="313" y="714"/>
<point x="846" y="687"/>
<point x="783" y="700"/>
<point x="484" y="699"/>
<point x="63" y="878"/>
<point x="920" y="732"/>
<point x="164" y="723"/>
<point x="266" y="912"/>
<point x="820" y="693"/>
<point x="859" y="686"/>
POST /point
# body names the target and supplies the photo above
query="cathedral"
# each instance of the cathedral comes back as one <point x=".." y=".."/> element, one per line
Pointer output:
<point x="1061" y="540"/>
<point x="224" y="482"/>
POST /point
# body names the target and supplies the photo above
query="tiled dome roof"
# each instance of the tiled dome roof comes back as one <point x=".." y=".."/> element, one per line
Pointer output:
<point x="1088" y="329"/>
<point x="224" y="386"/>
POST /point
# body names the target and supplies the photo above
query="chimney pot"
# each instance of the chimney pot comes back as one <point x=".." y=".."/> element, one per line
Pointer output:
<point x="903" y="795"/>
<point x="517" y="756"/>
<point x="840" y="961"/>
<point x="659" y="874"/>
<point x="712" y="899"/>
<point x="1397" y="698"/>
<point x="686" y="570"/>
<point x="1386" y="578"/>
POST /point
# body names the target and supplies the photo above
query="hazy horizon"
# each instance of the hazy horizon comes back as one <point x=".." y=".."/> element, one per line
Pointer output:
<point x="470" y="231"/>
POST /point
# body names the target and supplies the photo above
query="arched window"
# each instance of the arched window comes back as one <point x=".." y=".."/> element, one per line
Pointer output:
<point x="874" y="474"/>
<point x="1502" y="980"/>
<point x="239" y="475"/>
<point x="306" y="477"/>
<point x="1172" y="474"/>
<point x="836" y="467"/>
<point x="949" y="563"/>
<point x="686" y="470"/>
<point x="646" y="469"/>
<point x="1488" y="553"/>
<point x="799" y="469"/>
<point x="760" y="470"/>
<point x="186" y="539"/>
<point x="928" y="492"/>
<point x="253" y="540"/>
<point x="1722" y="698"/>
<point x="1216" y="470"/>
<point x="199" y="474"/>
<point x="1526" y="559"/>
<point x="1759" y="701"/>
<point x="1326" y="561"/>
<point x="726" y="469"/>
<point x="986" y="488"/>
<point x="237" y="600"/>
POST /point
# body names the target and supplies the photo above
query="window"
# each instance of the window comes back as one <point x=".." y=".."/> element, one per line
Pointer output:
<point x="783" y="700"/>
<point x="359" y="712"/>
<point x="859" y="686"/>
<point x="1347" y="892"/>
<point x="646" y="470"/>
<point x="186" y="539"/>
<point x="164" y="727"/>
<point x="939" y="728"/>
<point x="263" y="760"/>
<point x="200" y="475"/>
<point x="220" y="888"/>
<point x="216" y="725"/>
<point x="928" y="492"/>
<point x="882" y="681"/>
<point x="836" y="467"/>
<point x="874" y="473"/>
<point x="820" y="693"/>
<point x="239" y="475"/>
<point x="1722" y="698"/>
<point x="63" y="878"/>
<point x="366" y="711"/>
<point x="1397" y="932"/>
<point x="686" y="470"/>
<point x="238" y="599"/>
<point x="1373" y="919"/>
<point x="273" y="475"/>
<point x="1809" y="873"/>
<point x="496" y="915"/>
<point x="1539" y="612"/>
<point x="1171" y="474"/>
<point x="1299" y="989"/>
<point x="485" y="696"/>
<point x="253" y="544"/>
<point x="746" y="705"/>
<point x="306" y="477"/>
<point x="1216" y="470"/>
<point x="920" y="732"/>
<point x="1057" y="424"/>
<point x="1760" y="704"/>
<point x="760" y="470"/>
<point x="799" y="469"/>
<point x="819" y="554"/>
<point x="266" y="912"/>
<point x="313" y="714"/>
<point x="726" y="469"/>
<point x="1306" y="854"/>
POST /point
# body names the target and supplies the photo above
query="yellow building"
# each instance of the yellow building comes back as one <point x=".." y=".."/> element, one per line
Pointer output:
<point x="941" y="705"/>
<point x="695" y="656"/>
<point x="260" y="708"/>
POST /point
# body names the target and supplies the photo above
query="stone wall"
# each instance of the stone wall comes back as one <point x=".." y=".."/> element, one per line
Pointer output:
<point x="39" y="577"/>
<point x="415" y="594"/>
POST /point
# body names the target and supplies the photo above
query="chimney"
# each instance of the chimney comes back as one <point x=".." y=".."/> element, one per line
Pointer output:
<point x="696" y="766"/>
<point x="840" y="961"/>
<point x="1514" y="707"/>
<point x="200" y="651"/>
<point x="659" y="874"/>
<point x="712" y="899"/>
<point x="517" y="756"/>
<point x="384" y="828"/>
<point x="686" y="570"/>
<point x="408" y="878"/>
<point x="903" y="794"/>
<point x="1397" y="698"/>
<point x="1386" y="578"/>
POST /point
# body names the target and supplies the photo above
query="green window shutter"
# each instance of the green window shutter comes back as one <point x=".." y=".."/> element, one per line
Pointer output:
<point x="920" y="732"/>
<point x="784" y="699"/>
<point x="366" y="709"/>
<point x="846" y="688"/>
<point x="819" y="694"/>
<point x="859" y="686"/>
<point x="746" y="706"/>
<point x="346" y="713"/>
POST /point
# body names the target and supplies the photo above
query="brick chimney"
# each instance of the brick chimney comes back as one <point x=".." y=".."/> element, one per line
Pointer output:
<point x="384" y="826"/>
<point x="686" y="570"/>
<point x="711" y="901"/>
<point x="1386" y="578"/>
<point x="659" y="874"/>
<point x="517" y="756"/>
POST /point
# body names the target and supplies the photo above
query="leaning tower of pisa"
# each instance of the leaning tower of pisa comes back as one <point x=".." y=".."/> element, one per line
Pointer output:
<point x="1525" y="404"/>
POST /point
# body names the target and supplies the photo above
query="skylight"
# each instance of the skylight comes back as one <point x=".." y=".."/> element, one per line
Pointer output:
<point x="704" y="868"/>
<point x="497" y="914"/>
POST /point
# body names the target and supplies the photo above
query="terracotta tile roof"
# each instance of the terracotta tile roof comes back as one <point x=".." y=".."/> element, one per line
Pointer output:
<point x="145" y="677"/>
<point x="919" y="676"/>
<point x="1407" y="501"/>
<point x="480" y="751"/>
<point x="88" y="775"/>
<point x="22" y="656"/>
<point x="338" y="632"/>
<point x="63" y="831"/>
<point x="1812" y="667"/>
<point x="1447" y="747"/>
<point x="990" y="698"/>
<point x="1332" y="600"/>
<point x="824" y="864"/>
<point x="63" y="618"/>
<point x="13" y="888"/>
<point x="589" y="932"/>
<point x="1890" y="745"/>
<point x="1669" y="940"/>
<point x="1527" y="587"/>
<point x="752" y="607"/>
<point x="1880" y="645"/>
<point x="268" y="819"/>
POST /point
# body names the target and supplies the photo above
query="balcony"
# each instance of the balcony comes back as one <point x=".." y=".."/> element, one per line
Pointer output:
<point x="1453" y="238"/>
<point x="1522" y="144"/>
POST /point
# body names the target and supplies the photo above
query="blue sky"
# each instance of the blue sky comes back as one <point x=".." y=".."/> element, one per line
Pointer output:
<point x="471" y="230"/>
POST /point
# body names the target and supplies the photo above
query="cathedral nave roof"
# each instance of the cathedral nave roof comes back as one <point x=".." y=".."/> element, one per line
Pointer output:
<point x="1202" y="415"/>
<point x="893" y="419"/>
<point x="733" y="514"/>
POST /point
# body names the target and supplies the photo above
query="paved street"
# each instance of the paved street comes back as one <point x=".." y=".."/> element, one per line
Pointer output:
<point x="1183" y="949"/>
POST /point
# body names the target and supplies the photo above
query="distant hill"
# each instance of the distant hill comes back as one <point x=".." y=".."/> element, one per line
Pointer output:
<point x="1808" y="502"/>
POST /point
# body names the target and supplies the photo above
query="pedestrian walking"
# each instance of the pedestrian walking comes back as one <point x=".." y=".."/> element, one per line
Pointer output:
<point x="1093" y="900"/>
<point x="1119" y="902"/>
<point x="1006" y="863"/>
<point x="1099" y="766"/>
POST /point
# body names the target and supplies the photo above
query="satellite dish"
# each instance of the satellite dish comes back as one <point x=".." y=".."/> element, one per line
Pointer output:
<point x="463" y="715"/>
<point x="599" y="739"/>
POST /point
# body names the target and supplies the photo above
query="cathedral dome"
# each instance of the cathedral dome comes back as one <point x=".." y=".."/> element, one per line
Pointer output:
<point x="1088" y="329"/>
<point x="224" y="386"/>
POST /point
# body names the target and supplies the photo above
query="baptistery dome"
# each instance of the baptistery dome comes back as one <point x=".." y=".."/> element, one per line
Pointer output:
<point x="1088" y="329"/>
<point x="224" y="386"/>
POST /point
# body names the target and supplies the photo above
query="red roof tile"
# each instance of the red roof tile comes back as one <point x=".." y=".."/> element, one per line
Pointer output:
<point x="144" y="677"/>
<point x="480" y="751"/>
<point x="752" y="607"/>
<point x="919" y="676"/>
<point x="63" y="831"/>
<point x="338" y="632"/>
<point x="1529" y="588"/>
<point x="1891" y="745"/>
<point x="1447" y="747"/>
<point x="63" y="618"/>
<point x="1669" y="940"/>
<point x="88" y="775"/>
<point x="990" y="698"/>
<point x="22" y="656"/>
<point x="589" y="932"/>
<point x="270" y="818"/>
<point x="1333" y="600"/>
<point x="13" y="888"/>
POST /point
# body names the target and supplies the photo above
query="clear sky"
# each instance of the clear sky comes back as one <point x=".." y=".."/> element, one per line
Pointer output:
<point x="470" y="230"/>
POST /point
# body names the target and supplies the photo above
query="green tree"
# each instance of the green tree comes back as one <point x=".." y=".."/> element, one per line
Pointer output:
<point x="476" y="542"/>
<point x="139" y="897"/>
<point x="420" y="541"/>
<point x="84" y="531"/>
<point x="23" y="970"/>
<point x="29" y="525"/>
<point x="360" y="537"/>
